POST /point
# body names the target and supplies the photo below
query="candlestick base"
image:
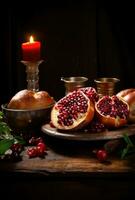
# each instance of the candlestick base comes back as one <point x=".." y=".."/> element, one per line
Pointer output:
<point x="32" y="71"/>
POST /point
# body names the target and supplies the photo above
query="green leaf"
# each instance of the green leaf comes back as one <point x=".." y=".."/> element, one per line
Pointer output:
<point x="127" y="139"/>
<point x="1" y="115"/>
<point x="6" y="136"/>
<point x="19" y="139"/>
<point x="4" y="128"/>
<point x="124" y="153"/>
<point x="130" y="147"/>
<point x="5" y="144"/>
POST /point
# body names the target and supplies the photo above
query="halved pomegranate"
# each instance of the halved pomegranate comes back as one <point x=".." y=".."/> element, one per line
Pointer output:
<point x="91" y="93"/>
<point x="112" y="111"/>
<point x="72" y="112"/>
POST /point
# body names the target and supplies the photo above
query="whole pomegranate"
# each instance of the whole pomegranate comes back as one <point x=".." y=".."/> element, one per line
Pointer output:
<point x="73" y="111"/>
<point x="112" y="111"/>
<point x="125" y="92"/>
<point x="128" y="95"/>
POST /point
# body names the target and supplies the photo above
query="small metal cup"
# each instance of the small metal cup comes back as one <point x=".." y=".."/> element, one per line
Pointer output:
<point x="106" y="86"/>
<point x="73" y="83"/>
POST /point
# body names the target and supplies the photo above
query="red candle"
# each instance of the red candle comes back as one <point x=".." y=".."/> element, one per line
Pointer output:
<point x="31" y="50"/>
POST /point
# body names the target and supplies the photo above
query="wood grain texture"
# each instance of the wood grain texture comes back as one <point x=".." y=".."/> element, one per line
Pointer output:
<point x="81" y="164"/>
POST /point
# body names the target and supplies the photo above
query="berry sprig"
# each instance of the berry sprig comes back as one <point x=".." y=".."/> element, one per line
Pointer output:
<point x="38" y="148"/>
<point x="11" y="145"/>
<point x="123" y="148"/>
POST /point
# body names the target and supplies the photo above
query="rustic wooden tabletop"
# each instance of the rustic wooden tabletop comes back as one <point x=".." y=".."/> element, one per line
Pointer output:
<point x="70" y="170"/>
<point x="71" y="158"/>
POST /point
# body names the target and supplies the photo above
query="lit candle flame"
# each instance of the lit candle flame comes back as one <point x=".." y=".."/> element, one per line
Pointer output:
<point x="31" y="39"/>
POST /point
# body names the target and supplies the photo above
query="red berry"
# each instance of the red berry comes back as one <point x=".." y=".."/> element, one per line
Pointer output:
<point x="41" y="145"/>
<point x="39" y="140"/>
<point x="41" y="148"/>
<point x="32" y="140"/>
<point x="102" y="155"/>
<point x="32" y="152"/>
<point x="16" y="147"/>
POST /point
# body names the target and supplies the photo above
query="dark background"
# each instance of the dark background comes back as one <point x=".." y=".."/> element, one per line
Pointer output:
<point x="90" y="38"/>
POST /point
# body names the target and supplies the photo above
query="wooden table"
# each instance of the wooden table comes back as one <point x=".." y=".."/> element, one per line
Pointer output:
<point x="69" y="171"/>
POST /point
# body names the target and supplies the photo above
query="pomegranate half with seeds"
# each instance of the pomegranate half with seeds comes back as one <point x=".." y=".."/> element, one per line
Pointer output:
<point x="112" y="111"/>
<point x="91" y="93"/>
<point x="73" y="111"/>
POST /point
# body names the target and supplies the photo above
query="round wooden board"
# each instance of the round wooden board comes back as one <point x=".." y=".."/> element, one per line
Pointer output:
<point x="87" y="135"/>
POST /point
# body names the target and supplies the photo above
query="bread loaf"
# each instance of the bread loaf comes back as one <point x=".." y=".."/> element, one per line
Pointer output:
<point x="27" y="99"/>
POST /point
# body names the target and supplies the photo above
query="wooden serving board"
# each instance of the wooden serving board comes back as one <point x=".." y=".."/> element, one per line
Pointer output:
<point x="86" y="135"/>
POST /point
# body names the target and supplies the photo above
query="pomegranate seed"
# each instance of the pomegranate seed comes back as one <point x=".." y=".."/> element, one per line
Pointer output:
<point x="96" y="126"/>
<point x="91" y="93"/>
<point x="51" y="124"/>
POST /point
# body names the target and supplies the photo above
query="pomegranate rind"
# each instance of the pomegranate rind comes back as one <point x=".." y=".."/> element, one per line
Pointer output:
<point x="111" y="122"/>
<point x="125" y="92"/>
<point x="82" y="120"/>
<point x="132" y="113"/>
<point x="128" y="95"/>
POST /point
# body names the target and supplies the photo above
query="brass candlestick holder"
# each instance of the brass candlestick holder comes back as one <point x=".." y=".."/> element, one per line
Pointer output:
<point x="106" y="86"/>
<point x="32" y="71"/>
